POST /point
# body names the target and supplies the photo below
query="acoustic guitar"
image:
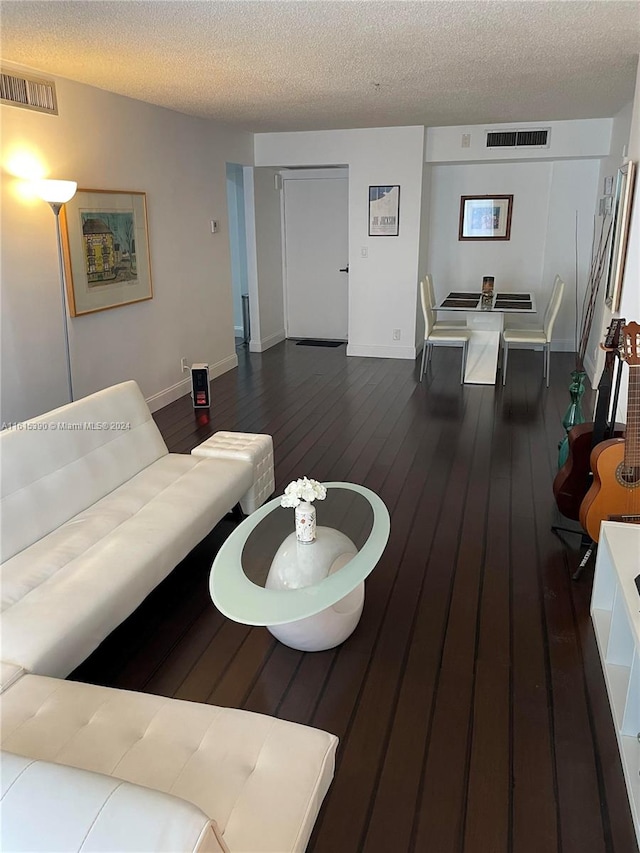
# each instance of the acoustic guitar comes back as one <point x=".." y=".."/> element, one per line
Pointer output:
<point x="615" y="492"/>
<point x="573" y="480"/>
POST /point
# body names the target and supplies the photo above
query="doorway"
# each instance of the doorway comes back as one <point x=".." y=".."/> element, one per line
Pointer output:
<point x="238" y="250"/>
<point x="316" y="254"/>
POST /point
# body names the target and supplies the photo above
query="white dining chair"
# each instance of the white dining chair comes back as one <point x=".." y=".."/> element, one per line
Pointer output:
<point x="440" y="324"/>
<point x="536" y="337"/>
<point x="442" y="335"/>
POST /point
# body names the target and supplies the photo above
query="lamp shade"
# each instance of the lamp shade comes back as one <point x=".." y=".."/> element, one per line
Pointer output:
<point x="56" y="191"/>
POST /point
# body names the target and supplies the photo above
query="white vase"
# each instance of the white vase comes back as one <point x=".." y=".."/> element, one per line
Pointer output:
<point x="305" y="522"/>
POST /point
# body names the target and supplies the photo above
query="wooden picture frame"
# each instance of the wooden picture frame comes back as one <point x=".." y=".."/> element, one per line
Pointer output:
<point x="105" y="242"/>
<point x="384" y="211"/>
<point x="622" y="206"/>
<point x="485" y="217"/>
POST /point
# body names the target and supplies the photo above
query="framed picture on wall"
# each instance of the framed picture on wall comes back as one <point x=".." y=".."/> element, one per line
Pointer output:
<point x="622" y="204"/>
<point x="384" y="211"/>
<point x="106" y="250"/>
<point x="485" y="217"/>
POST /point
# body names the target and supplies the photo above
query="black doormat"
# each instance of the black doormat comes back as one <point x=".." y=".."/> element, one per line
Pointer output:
<point x="313" y="343"/>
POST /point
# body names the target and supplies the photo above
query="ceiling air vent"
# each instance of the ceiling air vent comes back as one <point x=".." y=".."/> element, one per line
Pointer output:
<point x="535" y="138"/>
<point x="31" y="93"/>
<point x="502" y="139"/>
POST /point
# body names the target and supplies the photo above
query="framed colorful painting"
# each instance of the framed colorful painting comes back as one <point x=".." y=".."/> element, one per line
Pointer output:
<point x="106" y="250"/>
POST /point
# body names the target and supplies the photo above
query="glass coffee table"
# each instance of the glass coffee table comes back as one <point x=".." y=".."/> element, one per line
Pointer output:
<point x="309" y="595"/>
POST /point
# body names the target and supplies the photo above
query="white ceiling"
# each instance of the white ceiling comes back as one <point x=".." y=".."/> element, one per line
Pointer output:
<point x="311" y="64"/>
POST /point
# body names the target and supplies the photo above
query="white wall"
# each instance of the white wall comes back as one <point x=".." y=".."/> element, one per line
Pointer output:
<point x="546" y="196"/>
<point x="572" y="139"/>
<point x="268" y="236"/>
<point x="237" y="242"/>
<point x="573" y="193"/>
<point x="382" y="286"/>
<point x="105" y="141"/>
<point x="423" y="249"/>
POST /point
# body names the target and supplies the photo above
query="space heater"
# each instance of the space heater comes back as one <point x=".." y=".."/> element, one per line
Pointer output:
<point x="200" y="393"/>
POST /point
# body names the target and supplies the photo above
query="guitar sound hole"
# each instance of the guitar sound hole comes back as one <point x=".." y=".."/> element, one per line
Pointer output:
<point x="628" y="475"/>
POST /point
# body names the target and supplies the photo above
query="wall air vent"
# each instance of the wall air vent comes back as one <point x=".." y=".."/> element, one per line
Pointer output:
<point x="534" y="138"/>
<point x="30" y="93"/>
<point x="502" y="139"/>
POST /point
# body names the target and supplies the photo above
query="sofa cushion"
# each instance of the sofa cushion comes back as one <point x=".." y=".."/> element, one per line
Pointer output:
<point x="64" y="594"/>
<point x="60" y="463"/>
<point x="49" y="807"/>
<point x="9" y="674"/>
<point x="261" y="779"/>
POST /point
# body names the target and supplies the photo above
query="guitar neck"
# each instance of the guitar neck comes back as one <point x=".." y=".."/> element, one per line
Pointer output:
<point x="632" y="431"/>
<point x="602" y="426"/>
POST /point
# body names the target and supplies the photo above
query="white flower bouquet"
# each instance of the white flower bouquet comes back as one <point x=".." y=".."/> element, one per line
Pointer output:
<point x="303" y="490"/>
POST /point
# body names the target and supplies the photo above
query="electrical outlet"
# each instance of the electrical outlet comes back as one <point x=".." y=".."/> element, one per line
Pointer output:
<point x="466" y="140"/>
<point x="215" y="227"/>
<point x="396" y="334"/>
<point x="364" y="252"/>
<point x="183" y="364"/>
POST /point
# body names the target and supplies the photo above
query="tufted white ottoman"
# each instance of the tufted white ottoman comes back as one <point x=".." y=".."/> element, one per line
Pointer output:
<point x="253" y="447"/>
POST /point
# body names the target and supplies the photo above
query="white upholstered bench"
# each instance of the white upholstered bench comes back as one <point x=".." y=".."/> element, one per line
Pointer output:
<point x="256" y="448"/>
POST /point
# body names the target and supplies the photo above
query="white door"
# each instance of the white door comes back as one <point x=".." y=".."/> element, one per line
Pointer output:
<point x="316" y="250"/>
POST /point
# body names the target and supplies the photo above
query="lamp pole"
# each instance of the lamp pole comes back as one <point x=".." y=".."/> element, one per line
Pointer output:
<point x="56" y="206"/>
<point x="57" y="193"/>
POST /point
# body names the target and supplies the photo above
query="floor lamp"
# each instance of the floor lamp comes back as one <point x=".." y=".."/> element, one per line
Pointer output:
<point x="58" y="193"/>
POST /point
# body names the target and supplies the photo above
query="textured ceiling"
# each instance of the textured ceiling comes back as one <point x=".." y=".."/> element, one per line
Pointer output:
<point x="310" y="64"/>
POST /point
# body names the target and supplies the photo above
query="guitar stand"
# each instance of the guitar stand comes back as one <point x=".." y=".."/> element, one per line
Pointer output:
<point x="587" y="556"/>
<point x="585" y="540"/>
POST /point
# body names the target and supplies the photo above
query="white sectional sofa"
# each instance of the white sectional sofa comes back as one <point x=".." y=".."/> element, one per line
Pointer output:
<point x="95" y="513"/>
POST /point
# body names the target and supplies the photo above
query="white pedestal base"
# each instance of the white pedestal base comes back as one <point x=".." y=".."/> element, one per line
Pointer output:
<point x="302" y="564"/>
<point x="484" y="345"/>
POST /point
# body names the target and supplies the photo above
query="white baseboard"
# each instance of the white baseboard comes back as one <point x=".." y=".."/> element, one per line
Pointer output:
<point x="168" y="395"/>
<point x="266" y="343"/>
<point x="182" y="388"/>
<point x="406" y="352"/>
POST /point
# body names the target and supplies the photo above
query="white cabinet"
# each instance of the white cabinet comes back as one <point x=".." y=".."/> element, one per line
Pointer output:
<point x="615" y="611"/>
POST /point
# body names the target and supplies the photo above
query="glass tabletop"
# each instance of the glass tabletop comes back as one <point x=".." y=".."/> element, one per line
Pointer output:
<point x="352" y="531"/>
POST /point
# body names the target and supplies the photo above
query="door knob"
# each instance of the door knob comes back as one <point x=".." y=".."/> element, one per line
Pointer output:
<point x="345" y="269"/>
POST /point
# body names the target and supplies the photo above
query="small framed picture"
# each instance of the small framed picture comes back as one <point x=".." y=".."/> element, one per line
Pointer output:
<point x="485" y="217"/>
<point x="384" y="211"/>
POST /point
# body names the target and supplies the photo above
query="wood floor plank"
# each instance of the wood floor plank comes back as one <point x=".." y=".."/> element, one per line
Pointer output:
<point x="442" y="480"/>
<point x="576" y="772"/>
<point x="488" y="799"/>
<point x="535" y="818"/>
<point x="447" y="750"/>
<point x="235" y="684"/>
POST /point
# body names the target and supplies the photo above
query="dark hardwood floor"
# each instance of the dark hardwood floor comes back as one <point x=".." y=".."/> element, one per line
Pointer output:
<point x="469" y="702"/>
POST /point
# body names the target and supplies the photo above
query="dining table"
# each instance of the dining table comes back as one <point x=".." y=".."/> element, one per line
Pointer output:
<point x="485" y="322"/>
